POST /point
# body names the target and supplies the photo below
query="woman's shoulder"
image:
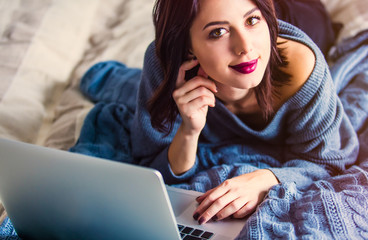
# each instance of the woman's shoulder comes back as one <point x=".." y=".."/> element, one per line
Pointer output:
<point x="150" y="56"/>
<point x="301" y="62"/>
<point x="152" y="71"/>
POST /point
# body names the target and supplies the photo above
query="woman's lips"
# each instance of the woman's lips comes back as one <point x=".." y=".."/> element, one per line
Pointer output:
<point x="246" y="67"/>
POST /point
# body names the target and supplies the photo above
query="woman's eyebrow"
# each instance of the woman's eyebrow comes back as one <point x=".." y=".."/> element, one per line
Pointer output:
<point x="226" y="22"/>
<point x="215" y="23"/>
<point x="250" y="12"/>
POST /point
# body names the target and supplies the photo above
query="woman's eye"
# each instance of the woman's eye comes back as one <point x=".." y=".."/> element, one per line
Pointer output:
<point x="217" y="33"/>
<point x="251" y="21"/>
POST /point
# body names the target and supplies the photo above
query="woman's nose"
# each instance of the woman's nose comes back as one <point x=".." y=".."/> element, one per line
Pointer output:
<point x="241" y="43"/>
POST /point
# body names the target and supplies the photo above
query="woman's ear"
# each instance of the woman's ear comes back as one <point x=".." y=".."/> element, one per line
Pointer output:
<point x="191" y="55"/>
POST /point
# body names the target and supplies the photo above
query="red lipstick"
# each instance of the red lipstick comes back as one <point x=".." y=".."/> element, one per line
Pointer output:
<point x="246" y="67"/>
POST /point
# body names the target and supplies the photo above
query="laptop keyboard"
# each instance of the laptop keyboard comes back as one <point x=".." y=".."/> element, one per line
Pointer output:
<point x="189" y="233"/>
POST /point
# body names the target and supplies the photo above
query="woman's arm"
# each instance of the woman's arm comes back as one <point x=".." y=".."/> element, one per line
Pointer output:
<point x="154" y="149"/>
<point x="193" y="97"/>
<point x="149" y="146"/>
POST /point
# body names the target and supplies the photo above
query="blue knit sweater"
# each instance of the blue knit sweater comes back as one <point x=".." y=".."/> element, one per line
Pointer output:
<point x="309" y="137"/>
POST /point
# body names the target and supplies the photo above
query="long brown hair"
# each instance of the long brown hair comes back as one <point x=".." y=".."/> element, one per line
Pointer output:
<point x="173" y="20"/>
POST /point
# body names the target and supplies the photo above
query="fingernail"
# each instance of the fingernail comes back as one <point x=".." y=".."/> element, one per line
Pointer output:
<point x="196" y="216"/>
<point x="201" y="220"/>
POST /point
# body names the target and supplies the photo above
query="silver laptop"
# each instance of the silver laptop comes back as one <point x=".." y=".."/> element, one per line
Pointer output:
<point x="54" y="194"/>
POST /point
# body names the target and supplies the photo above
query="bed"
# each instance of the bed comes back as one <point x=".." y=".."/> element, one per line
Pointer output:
<point x="46" y="46"/>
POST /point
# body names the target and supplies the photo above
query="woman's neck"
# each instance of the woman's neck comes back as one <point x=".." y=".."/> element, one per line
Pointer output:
<point x="245" y="103"/>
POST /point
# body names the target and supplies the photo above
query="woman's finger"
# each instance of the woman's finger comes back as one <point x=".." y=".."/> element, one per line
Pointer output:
<point x="199" y="104"/>
<point x="210" y="197"/>
<point x="198" y="98"/>
<point x="202" y="73"/>
<point x="196" y="82"/>
<point x="246" y="210"/>
<point x="215" y="207"/>
<point x="204" y="203"/>
<point x="187" y="65"/>
<point x="236" y="208"/>
<point x="203" y="196"/>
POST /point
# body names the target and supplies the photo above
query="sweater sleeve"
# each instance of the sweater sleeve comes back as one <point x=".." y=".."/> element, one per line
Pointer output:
<point x="320" y="140"/>
<point x="149" y="146"/>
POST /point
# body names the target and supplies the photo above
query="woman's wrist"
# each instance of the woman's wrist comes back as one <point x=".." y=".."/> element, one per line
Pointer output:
<point x="188" y="132"/>
<point x="269" y="177"/>
<point x="182" y="151"/>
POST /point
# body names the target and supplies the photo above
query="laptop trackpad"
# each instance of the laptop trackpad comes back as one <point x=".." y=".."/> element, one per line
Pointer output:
<point x="181" y="199"/>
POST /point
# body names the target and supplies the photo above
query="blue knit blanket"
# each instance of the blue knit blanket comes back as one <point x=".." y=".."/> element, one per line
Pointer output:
<point x="334" y="208"/>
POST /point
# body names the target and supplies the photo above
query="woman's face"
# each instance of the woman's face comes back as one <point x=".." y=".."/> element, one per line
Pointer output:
<point x="231" y="40"/>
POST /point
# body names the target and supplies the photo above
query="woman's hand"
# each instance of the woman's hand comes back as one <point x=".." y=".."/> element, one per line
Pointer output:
<point x="236" y="197"/>
<point x="193" y="98"/>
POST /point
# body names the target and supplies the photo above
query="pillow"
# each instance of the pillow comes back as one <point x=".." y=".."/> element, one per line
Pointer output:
<point x="42" y="41"/>
<point x="311" y="17"/>
<point x="122" y="30"/>
<point x="352" y="14"/>
<point x="18" y="27"/>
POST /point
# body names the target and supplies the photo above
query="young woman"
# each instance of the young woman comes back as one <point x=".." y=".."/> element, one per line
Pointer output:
<point x="261" y="97"/>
